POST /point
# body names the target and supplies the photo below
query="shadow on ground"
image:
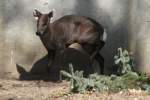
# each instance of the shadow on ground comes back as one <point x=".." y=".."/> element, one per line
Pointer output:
<point x="41" y="71"/>
<point x="38" y="71"/>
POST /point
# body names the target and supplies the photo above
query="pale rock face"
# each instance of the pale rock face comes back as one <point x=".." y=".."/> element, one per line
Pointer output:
<point x="126" y="22"/>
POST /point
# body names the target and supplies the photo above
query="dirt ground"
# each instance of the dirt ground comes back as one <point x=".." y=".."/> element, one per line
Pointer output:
<point x="40" y="90"/>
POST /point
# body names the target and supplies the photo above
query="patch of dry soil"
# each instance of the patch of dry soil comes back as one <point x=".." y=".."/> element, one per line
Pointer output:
<point x="40" y="90"/>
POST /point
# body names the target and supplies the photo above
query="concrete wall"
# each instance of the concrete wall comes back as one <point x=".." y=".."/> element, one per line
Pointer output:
<point x="139" y="33"/>
<point x="126" y="22"/>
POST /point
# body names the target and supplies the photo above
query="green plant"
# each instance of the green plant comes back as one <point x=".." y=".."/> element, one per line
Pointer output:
<point x="80" y="84"/>
<point x="124" y="61"/>
<point x="127" y="79"/>
<point x="76" y="79"/>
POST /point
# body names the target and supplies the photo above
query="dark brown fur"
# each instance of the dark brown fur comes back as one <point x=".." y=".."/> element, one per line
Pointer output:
<point x="68" y="30"/>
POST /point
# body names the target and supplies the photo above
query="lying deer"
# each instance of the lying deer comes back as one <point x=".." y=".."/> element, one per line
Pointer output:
<point x="70" y="29"/>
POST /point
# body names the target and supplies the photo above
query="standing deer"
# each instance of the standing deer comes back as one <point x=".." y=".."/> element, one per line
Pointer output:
<point x="70" y="29"/>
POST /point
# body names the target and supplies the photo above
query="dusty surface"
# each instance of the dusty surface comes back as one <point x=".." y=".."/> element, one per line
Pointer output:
<point x="30" y="90"/>
<point x="39" y="90"/>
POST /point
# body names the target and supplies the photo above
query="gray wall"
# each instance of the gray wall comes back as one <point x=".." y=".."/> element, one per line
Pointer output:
<point x="126" y="22"/>
<point x="139" y="33"/>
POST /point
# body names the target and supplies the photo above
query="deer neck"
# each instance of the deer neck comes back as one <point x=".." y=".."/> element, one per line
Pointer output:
<point x="46" y="38"/>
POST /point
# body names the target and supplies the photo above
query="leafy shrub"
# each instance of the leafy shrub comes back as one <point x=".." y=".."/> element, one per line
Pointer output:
<point x="127" y="79"/>
<point x="124" y="61"/>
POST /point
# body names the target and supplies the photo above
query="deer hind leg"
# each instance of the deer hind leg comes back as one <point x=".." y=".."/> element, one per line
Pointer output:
<point x="96" y="55"/>
<point x="90" y="50"/>
<point x="83" y="48"/>
<point x="97" y="48"/>
<point x="100" y="60"/>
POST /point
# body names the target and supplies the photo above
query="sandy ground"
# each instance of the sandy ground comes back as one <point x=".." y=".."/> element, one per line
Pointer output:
<point x="40" y="90"/>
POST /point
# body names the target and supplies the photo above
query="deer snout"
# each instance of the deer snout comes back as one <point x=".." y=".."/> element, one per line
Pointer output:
<point x="39" y="33"/>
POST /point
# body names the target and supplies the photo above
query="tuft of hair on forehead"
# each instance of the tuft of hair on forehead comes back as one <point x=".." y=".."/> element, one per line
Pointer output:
<point x="53" y="10"/>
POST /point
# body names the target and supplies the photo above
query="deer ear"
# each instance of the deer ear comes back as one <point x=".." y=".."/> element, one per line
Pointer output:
<point x="50" y="14"/>
<point x="36" y="13"/>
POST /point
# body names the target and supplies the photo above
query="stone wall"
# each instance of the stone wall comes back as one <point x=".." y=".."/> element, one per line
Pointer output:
<point x="126" y="22"/>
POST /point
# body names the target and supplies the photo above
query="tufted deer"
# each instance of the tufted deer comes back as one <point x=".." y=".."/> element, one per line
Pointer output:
<point x="70" y="29"/>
